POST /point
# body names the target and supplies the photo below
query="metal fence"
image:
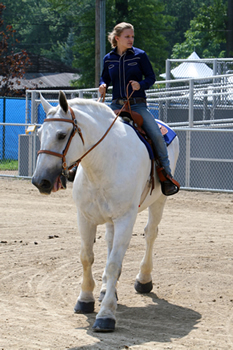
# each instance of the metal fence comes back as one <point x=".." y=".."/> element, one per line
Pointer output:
<point x="195" y="67"/>
<point x="200" y="111"/>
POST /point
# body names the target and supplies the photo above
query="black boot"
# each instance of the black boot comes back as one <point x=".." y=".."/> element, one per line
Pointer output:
<point x="168" y="184"/>
<point x="169" y="188"/>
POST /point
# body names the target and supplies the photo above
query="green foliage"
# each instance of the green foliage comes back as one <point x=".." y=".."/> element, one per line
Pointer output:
<point x="149" y="23"/>
<point x="40" y="28"/>
<point x="67" y="55"/>
<point x="84" y="45"/>
<point x="206" y="34"/>
<point x="65" y="29"/>
<point x="8" y="164"/>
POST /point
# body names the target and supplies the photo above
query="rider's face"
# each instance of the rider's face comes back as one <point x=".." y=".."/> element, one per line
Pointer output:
<point x="125" y="40"/>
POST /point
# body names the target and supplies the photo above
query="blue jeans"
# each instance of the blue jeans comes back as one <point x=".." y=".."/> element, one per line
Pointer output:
<point x="152" y="130"/>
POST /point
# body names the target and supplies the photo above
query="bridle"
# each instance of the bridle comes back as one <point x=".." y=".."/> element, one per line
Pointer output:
<point x="75" y="129"/>
<point x="72" y="134"/>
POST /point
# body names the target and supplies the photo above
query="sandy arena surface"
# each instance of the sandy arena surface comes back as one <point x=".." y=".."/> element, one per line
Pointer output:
<point x="190" y="307"/>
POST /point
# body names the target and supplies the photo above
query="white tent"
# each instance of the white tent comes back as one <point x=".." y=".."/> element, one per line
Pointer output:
<point x="190" y="70"/>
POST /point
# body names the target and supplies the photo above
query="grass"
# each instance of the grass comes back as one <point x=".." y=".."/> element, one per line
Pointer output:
<point x="8" y="164"/>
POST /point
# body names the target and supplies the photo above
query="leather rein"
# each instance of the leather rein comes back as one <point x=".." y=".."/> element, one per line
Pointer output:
<point x="75" y="129"/>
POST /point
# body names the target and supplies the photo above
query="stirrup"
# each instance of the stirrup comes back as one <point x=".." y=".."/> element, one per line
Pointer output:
<point x="166" y="181"/>
<point x="169" y="188"/>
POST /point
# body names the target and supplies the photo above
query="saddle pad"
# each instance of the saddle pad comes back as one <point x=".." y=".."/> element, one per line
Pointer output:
<point x="170" y="135"/>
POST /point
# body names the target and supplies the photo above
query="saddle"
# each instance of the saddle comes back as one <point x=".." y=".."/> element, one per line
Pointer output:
<point x="131" y="116"/>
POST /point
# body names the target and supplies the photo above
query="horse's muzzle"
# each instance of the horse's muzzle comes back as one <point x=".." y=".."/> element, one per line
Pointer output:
<point x="44" y="185"/>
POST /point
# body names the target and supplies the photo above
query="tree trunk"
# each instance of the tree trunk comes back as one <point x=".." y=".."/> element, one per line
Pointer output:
<point x="97" y="42"/>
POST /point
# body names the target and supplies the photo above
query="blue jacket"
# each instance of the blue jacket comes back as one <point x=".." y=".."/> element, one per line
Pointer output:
<point x="134" y="64"/>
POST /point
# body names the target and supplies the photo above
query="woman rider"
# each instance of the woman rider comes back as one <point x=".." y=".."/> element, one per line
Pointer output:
<point x="128" y="64"/>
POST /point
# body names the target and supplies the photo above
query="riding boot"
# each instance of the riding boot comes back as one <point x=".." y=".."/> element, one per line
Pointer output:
<point x="168" y="188"/>
<point x="71" y="174"/>
<point x="150" y="126"/>
<point x="168" y="184"/>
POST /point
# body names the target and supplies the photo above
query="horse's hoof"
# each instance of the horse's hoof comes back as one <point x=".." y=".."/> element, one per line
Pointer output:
<point x="143" y="288"/>
<point x="85" y="308"/>
<point x="104" y="325"/>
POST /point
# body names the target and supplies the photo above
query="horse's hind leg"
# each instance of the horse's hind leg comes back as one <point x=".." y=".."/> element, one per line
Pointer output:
<point x="143" y="283"/>
<point x="86" y="301"/>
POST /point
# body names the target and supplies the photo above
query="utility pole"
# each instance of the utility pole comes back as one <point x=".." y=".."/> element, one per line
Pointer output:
<point x="100" y="32"/>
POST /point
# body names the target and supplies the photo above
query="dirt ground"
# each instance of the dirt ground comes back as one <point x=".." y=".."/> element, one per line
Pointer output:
<point x="191" y="306"/>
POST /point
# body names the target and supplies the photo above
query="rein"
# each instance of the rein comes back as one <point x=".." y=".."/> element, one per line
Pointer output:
<point x="105" y="134"/>
<point x="75" y="129"/>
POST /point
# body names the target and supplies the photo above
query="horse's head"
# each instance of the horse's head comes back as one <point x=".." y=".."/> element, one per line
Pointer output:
<point x="55" y="136"/>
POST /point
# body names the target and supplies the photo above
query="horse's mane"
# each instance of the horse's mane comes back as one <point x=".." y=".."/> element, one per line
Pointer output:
<point x="85" y="102"/>
<point x="91" y="105"/>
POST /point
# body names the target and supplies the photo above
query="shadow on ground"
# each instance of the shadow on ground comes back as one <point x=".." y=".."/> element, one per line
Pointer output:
<point x="158" y="322"/>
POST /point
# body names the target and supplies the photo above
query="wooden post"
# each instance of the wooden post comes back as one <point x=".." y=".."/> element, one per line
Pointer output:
<point x="97" y="42"/>
<point x="100" y="29"/>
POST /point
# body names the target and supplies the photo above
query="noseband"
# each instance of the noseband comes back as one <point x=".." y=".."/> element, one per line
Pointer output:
<point x="73" y="132"/>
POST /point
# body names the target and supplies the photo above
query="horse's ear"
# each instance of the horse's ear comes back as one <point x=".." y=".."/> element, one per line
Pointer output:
<point x="47" y="106"/>
<point x="63" y="101"/>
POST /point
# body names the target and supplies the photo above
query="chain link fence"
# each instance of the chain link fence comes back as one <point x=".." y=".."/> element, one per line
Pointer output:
<point x="199" y="110"/>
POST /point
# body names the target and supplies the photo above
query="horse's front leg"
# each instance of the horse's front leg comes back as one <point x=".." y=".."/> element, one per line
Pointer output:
<point x="86" y="301"/>
<point x="105" y="319"/>
<point x="109" y="234"/>
<point x="143" y="283"/>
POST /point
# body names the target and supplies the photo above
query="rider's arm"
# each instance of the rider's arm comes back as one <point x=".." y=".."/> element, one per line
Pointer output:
<point x="148" y="73"/>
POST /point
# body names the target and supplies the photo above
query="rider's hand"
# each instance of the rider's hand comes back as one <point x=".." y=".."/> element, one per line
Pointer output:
<point x="102" y="89"/>
<point x="135" y="85"/>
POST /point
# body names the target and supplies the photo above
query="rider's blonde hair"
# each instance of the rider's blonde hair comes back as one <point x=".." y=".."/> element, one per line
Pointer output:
<point x="117" y="30"/>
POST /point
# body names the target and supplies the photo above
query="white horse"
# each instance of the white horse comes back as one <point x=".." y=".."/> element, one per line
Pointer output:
<point x="110" y="187"/>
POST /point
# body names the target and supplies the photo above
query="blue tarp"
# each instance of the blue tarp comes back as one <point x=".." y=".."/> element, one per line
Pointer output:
<point x="14" y="113"/>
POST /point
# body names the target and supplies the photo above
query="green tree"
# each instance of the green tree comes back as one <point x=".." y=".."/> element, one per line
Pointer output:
<point x="84" y="45"/>
<point x="229" y="33"/>
<point x="149" y="22"/>
<point x="207" y="33"/>
<point x="40" y="28"/>
<point x="67" y="55"/>
<point x="183" y="11"/>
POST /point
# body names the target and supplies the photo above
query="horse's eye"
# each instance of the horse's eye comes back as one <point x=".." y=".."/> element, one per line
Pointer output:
<point x="61" y="135"/>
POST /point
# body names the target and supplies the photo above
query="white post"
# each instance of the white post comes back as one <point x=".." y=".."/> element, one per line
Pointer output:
<point x="188" y="133"/>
